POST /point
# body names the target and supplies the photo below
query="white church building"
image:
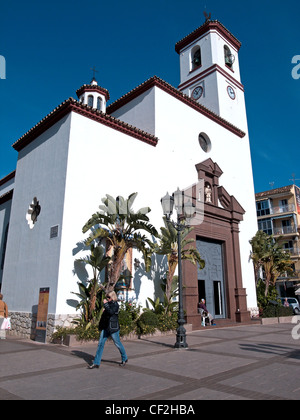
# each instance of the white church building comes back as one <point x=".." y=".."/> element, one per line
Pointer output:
<point x="154" y="139"/>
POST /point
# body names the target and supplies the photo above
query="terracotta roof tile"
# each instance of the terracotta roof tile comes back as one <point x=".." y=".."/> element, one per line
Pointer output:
<point x="6" y="197"/>
<point x="275" y="191"/>
<point x="7" y="178"/>
<point x="73" y="105"/>
<point x="156" y="81"/>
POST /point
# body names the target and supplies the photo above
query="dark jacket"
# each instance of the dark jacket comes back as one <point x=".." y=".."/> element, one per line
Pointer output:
<point x="202" y="306"/>
<point x="109" y="320"/>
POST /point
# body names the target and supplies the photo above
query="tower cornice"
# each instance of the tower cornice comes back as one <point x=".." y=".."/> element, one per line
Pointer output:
<point x="206" y="27"/>
<point x="207" y="72"/>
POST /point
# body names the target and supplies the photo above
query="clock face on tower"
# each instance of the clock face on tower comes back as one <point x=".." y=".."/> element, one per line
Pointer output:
<point x="197" y="92"/>
<point x="231" y="92"/>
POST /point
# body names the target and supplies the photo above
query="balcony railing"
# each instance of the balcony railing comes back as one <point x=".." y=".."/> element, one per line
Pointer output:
<point x="289" y="208"/>
<point x="292" y="251"/>
<point x="294" y="277"/>
<point x="285" y="230"/>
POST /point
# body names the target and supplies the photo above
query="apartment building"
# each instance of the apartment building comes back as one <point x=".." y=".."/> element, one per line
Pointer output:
<point x="278" y="214"/>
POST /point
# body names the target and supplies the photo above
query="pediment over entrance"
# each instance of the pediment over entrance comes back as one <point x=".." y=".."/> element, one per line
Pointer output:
<point x="209" y="167"/>
<point x="214" y="194"/>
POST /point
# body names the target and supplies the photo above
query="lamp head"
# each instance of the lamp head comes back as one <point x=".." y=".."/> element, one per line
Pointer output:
<point x="167" y="203"/>
<point x="189" y="209"/>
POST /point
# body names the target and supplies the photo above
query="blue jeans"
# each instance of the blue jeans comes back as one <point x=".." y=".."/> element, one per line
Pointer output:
<point x="116" y="339"/>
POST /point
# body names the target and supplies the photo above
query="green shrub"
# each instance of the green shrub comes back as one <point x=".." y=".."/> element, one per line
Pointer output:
<point x="62" y="332"/>
<point x="130" y="322"/>
<point x="272" y="311"/>
<point x="262" y="300"/>
<point x="82" y="333"/>
<point x="147" y="323"/>
<point x="131" y="308"/>
<point x="127" y="324"/>
<point x="129" y="313"/>
<point x="167" y="323"/>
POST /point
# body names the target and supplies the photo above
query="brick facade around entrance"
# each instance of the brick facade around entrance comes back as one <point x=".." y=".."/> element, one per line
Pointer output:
<point x="222" y="215"/>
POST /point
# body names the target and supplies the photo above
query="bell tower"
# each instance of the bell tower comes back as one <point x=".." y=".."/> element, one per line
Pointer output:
<point x="93" y="95"/>
<point x="210" y="73"/>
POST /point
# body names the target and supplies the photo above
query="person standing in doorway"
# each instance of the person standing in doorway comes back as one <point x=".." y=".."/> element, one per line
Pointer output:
<point x="3" y="315"/>
<point x="109" y="326"/>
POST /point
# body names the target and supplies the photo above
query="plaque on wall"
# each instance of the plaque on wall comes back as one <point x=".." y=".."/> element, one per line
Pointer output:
<point x="42" y="315"/>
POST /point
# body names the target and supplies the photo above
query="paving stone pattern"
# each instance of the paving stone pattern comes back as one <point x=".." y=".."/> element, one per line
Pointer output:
<point x="254" y="362"/>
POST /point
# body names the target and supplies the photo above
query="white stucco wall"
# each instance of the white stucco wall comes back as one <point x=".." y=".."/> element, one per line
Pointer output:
<point x="140" y="112"/>
<point x="178" y="151"/>
<point x="78" y="161"/>
<point x="32" y="258"/>
<point x="101" y="161"/>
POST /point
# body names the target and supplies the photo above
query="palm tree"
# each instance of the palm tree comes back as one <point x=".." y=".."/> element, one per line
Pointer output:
<point x="169" y="247"/>
<point x="120" y="227"/>
<point x="276" y="262"/>
<point x="89" y="293"/>
<point x="260" y="243"/>
<point x="267" y="253"/>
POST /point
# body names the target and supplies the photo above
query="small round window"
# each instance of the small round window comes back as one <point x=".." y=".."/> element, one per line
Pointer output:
<point x="204" y="142"/>
<point x="33" y="212"/>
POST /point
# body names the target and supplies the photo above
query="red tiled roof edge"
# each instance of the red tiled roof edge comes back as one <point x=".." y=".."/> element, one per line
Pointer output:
<point x="6" y="197"/>
<point x="72" y="105"/>
<point x="156" y="81"/>
<point x="285" y="189"/>
<point x="7" y="178"/>
<point x="214" y="24"/>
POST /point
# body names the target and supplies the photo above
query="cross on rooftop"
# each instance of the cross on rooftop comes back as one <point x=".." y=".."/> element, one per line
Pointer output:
<point x="94" y="71"/>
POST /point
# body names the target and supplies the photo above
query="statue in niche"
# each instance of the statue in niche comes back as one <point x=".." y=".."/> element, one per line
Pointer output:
<point x="207" y="192"/>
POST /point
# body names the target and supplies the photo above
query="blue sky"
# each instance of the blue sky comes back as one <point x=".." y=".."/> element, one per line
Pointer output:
<point x="50" y="47"/>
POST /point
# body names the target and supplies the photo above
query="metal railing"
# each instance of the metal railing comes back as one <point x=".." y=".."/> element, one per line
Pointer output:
<point x="284" y="230"/>
<point x="289" y="208"/>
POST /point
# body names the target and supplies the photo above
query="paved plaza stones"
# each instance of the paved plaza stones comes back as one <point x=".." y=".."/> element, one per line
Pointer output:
<point x="253" y="362"/>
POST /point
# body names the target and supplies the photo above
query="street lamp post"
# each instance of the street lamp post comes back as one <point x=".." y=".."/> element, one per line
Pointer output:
<point x="184" y="210"/>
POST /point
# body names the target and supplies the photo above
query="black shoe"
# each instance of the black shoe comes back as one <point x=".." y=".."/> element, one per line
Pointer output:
<point x="123" y="363"/>
<point x="93" y="366"/>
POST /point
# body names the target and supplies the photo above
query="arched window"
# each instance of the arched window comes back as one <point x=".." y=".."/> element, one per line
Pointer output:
<point x="99" y="103"/>
<point x="90" y="100"/>
<point x="229" y="58"/>
<point x="196" y="57"/>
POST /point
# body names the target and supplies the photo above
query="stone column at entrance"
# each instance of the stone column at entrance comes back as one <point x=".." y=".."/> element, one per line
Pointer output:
<point x="241" y="313"/>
